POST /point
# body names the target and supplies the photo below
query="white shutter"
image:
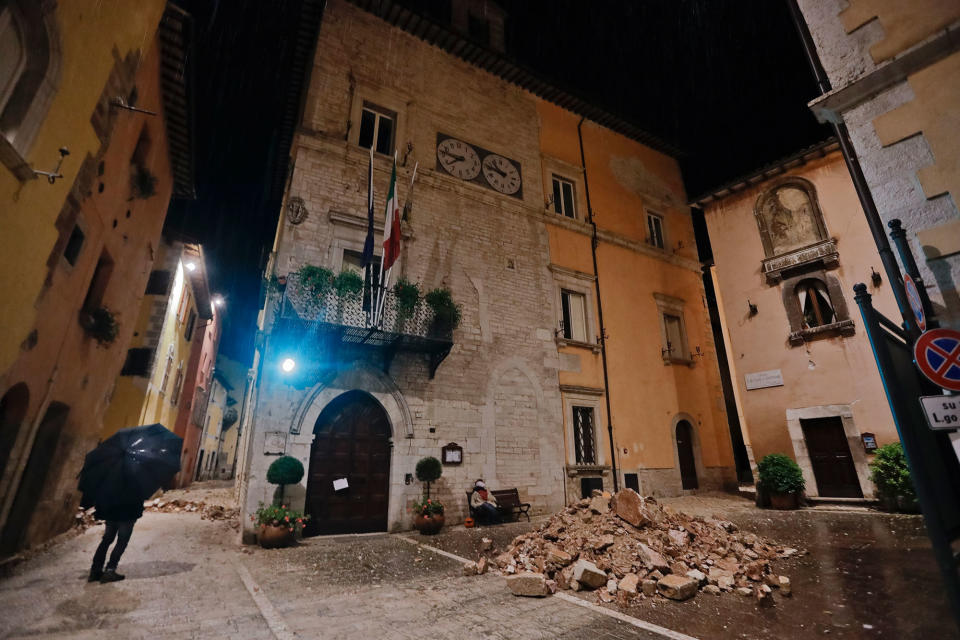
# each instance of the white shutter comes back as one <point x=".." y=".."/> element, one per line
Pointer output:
<point x="578" y="318"/>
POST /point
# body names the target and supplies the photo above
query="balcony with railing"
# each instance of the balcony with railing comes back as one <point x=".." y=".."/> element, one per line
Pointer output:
<point x="338" y="319"/>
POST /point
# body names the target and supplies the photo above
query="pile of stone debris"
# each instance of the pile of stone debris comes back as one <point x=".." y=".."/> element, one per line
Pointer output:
<point x="627" y="547"/>
<point x="206" y="511"/>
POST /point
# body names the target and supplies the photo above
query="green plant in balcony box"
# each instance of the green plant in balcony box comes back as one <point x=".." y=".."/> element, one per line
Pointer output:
<point x="283" y="471"/>
<point x="348" y="283"/>
<point x="315" y="280"/>
<point x="407" y="295"/>
<point x="781" y="479"/>
<point x="891" y="474"/>
<point x="101" y="325"/>
<point x="446" y="313"/>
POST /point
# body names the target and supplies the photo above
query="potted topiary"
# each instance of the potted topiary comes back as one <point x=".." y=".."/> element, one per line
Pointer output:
<point x="446" y="313"/>
<point x="283" y="471"/>
<point x="781" y="479"/>
<point x="428" y="513"/>
<point x="890" y="473"/>
<point x="278" y="525"/>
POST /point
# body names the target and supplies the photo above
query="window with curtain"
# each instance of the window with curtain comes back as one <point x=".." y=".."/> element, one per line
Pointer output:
<point x="574" y="320"/>
<point x="815" y="304"/>
<point x="676" y="341"/>
<point x="563" y="202"/>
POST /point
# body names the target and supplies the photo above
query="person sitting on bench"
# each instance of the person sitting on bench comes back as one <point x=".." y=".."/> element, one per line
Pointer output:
<point x="484" y="505"/>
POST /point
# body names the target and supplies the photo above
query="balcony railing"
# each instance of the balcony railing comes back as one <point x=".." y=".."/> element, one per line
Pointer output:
<point x="343" y="316"/>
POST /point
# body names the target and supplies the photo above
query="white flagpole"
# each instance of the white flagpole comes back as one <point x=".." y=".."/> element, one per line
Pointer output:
<point x="381" y="288"/>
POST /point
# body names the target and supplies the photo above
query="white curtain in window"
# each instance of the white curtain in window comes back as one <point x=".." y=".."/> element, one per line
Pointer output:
<point x="578" y="317"/>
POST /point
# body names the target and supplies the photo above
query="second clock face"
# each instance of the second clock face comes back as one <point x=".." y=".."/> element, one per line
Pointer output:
<point x="501" y="174"/>
<point x="459" y="159"/>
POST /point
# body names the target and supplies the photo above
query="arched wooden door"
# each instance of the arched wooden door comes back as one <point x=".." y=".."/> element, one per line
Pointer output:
<point x="688" y="464"/>
<point x="352" y="442"/>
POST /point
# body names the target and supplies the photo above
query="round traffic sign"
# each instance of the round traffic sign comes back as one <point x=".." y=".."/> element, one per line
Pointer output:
<point x="916" y="304"/>
<point x="937" y="354"/>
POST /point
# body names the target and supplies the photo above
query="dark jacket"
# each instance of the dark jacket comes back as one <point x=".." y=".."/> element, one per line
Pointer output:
<point x="120" y="512"/>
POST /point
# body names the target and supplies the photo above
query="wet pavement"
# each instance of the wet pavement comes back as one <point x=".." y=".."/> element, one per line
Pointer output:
<point x="867" y="575"/>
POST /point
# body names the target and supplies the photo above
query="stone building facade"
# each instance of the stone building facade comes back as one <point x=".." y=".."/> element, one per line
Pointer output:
<point x="508" y="255"/>
<point x="894" y="68"/>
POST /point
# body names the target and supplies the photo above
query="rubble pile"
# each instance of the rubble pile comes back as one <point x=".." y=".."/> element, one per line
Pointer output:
<point x="206" y="511"/>
<point x="627" y="547"/>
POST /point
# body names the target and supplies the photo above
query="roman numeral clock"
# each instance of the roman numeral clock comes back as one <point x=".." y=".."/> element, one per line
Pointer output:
<point x="475" y="164"/>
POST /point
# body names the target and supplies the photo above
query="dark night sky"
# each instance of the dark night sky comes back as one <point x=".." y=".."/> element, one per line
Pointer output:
<point x="724" y="80"/>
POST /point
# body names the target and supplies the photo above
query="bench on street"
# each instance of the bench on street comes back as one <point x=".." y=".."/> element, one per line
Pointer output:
<point x="508" y="504"/>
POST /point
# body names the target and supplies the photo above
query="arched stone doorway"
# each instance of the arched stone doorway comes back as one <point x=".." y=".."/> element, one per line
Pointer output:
<point x="685" y="455"/>
<point x="351" y="441"/>
<point x="34" y="478"/>
<point x="13" y="409"/>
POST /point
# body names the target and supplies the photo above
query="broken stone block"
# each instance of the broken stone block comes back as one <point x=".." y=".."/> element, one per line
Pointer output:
<point x="482" y="566"/>
<point x="504" y="559"/>
<point x="771" y="580"/>
<point x="575" y="586"/>
<point x="764" y="596"/>
<point x="678" y="538"/>
<point x="528" y="584"/>
<point x="604" y="596"/>
<point x="486" y="544"/>
<point x="788" y="553"/>
<point x="679" y="568"/>
<point x="785" y="588"/>
<point x="677" y="587"/>
<point x="612" y="585"/>
<point x="697" y="575"/>
<point x="649" y="587"/>
<point x="655" y="575"/>
<point x="745" y="591"/>
<point x="629" y="583"/>
<point x="588" y="575"/>
<point x="564" y="578"/>
<point x="599" y="505"/>
<point x="469" y="568"/>
<point x="558" y="556"/>
<point x="602" y="542"/>
<point x="725" y="583"/>
<point x="552" y="586"/>
<point x="712" y="589"/>
<point x="652" y="558"/>
<point x="629" y="507"/>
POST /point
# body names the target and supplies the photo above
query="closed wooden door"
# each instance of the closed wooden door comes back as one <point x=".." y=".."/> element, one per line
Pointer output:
<point x="830" y="458"/>
<point x="688" y="464"/>
<point x="352" y="443"/>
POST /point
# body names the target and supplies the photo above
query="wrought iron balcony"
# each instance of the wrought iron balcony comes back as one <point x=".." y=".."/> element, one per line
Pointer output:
<point x="343" y="319"/>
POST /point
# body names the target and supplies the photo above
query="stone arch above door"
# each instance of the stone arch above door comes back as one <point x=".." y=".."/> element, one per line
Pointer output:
<point x="358" y="376"/>
<point x="697" y="445"/>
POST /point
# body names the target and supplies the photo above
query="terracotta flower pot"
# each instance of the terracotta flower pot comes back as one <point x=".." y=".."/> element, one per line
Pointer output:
<point x="428" y="525"/>
<point x="274" y="537"/>
<point x="783" y="501"/>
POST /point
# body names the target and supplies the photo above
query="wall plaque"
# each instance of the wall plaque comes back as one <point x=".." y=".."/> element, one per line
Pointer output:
<point x="764" y="379"/>
<point x="452" y="454"/>
<point x="274" y="443"/>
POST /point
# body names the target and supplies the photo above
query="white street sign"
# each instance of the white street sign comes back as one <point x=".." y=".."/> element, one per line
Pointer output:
<point x="943" y="412"/>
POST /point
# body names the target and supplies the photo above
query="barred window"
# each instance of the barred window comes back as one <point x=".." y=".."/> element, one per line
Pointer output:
<point x="583" y="437"/>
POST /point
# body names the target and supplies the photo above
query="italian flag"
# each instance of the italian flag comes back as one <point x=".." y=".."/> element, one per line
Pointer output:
<point x="391" y="230"/>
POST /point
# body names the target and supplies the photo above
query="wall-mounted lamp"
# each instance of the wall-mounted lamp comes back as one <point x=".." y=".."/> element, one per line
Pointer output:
<point x="288" y="365"/>
<point x="548" y="201"/>
<point x="120" y="103"/>
<point x="697" y="352"/>
<point x="668" y="350"/>
<point x="52" y="176"/>
<point x="218" y="301"/>
<point x="407" y="153"/>
<point x="875" y="278"/>
<point x="753" y="308"/>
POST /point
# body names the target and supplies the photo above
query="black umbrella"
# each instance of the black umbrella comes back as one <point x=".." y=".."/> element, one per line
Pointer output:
<point x="130" y="465"/>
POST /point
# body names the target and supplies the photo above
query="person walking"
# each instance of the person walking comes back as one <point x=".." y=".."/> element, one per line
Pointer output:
<point x="484" y="505"/>
<point x="120" y="519"/>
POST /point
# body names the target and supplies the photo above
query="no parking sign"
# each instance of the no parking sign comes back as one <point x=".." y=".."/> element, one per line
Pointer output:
<point x="937" y="354"/>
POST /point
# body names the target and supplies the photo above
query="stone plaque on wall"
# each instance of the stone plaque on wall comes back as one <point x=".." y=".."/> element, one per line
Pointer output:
<point x="764" y="379"/>
<point x="274" y="443"/>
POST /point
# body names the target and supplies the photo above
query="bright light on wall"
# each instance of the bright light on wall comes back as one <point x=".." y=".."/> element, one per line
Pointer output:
<point x="218" y="301"/>
<point x="288" y="365"/>
<point x="191" y="266"/>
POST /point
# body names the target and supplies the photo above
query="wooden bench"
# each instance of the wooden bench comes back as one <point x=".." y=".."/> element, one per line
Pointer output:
<point x="508" y="504"/>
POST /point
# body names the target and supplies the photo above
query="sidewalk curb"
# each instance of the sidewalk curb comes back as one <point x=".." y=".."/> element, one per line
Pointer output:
<point x="273" y="619"/>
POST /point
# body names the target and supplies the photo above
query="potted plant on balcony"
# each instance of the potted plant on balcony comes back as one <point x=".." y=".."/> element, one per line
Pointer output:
<point x="278" y="525"/>
<point x="446" y="313"/>
<point x="781" y="479"/>
<point x="315" y="283"/>
<point x="428" y="515"/>
<point x="100" y="324"/>
<point x="348" y="285"/>
<point x="407" y="295"/>
<point x="890" y="473"/>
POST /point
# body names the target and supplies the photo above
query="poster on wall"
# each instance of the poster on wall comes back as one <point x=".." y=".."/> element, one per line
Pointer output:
<point x="275" y="443"/>
<point x="764" y="379"/>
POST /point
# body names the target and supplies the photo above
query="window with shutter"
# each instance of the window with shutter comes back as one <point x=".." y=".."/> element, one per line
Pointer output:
<point x="574" y="315"/>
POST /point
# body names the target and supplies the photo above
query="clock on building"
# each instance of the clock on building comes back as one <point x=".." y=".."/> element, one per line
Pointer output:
<point x="501" y="174"/>
<point x="458" y="159"/>
<point x="479" y="166"/>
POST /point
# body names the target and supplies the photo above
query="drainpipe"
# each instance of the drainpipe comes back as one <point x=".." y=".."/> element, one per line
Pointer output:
<point x="603" y="332"/>
<point x="859" y="181"/>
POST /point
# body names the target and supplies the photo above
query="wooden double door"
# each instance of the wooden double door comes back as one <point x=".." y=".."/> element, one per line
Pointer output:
<point x="352" y="443"/>
<point x="830" y="458"/>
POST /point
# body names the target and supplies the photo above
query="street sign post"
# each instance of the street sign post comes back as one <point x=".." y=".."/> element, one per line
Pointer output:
<point x="937" y="354"/>
<point x="943" y="412"/>
<point x="916" y="303"/>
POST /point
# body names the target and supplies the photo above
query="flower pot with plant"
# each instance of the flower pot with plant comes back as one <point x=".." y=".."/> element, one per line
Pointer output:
<point x="407" y="295"/>
<point x="283" y="471"/>
<point x="279" y="525"/>
<point x="315" y="283"/>
<point x="891" y="475"/>
<point x="100" y="324"/>
<point x="781" y="479"/>
<point x="348" y="285"/>
<point x="428" y="516"/>
<point x="446" y="313"/>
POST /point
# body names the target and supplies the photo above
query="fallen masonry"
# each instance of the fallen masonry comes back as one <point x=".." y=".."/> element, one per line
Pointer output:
<point x="627" y="547"/>
<point x="206" y="511"/>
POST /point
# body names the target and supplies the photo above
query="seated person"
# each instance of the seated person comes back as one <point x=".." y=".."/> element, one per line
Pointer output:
<point x="484" y="505"/>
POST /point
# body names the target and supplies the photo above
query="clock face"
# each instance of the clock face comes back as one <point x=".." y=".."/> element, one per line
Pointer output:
<point x="501" y="174"/>
<point x="458" y="158"/>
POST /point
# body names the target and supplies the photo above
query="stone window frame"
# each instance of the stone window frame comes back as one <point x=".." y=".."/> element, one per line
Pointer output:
<point x="29" y="101"/>
<point x="673" y="306"/>
<point x="383" y="99"/>
<point x="593" y="399"/>
<point x="551" y="167"/>
<point x="652" y="213"/>
<point x="558" y="177"/>
<point x="799" y="183"/>
<point x="860" y="461"/>
<point x="565" y="279"/>
<point x="842" y="325"/>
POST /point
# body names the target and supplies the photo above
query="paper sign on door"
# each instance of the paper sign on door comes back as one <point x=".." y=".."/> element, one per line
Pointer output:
<point x="340" y="484"/>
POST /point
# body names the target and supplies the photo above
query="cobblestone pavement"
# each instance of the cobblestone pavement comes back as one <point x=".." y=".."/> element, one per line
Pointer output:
<point x="184" y="581"/>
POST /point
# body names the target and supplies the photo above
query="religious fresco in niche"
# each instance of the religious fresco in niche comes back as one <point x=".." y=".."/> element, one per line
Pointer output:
<point x="790" y="218"/>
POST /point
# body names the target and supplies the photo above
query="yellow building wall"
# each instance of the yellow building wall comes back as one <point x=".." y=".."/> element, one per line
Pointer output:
<point x="90" y="30"/>
<point x="904" y="23"/>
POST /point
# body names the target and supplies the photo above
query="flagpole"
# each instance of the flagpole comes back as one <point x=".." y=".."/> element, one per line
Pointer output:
<point x="368" y="245"/>
<point x="381" y="288"/>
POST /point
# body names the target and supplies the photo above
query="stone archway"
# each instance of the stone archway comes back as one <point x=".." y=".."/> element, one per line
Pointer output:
<point x="351" y="443"/>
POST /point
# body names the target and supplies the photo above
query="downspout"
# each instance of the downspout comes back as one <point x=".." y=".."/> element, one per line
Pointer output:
<point x="859" y="181"/>
<point x="603" y="331"/>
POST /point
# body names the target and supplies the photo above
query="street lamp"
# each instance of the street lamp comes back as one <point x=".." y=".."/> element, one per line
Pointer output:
<point x="288" y="365"/>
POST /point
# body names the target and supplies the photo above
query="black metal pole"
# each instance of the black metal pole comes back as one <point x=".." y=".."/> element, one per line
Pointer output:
<point x="859" y="181"/>
<point x="899" y="236"/>
<point x="603" y="331"/>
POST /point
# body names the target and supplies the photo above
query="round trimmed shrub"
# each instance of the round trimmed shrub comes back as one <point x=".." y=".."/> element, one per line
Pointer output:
<point x="429" y="470"/>
<point x="780" y="474"/>
<point x="285" y="470"/>
<point x="889" y="471"/>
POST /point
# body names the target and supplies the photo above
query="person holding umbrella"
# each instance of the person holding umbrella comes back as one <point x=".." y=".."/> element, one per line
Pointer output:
<point x="117" y="476"/>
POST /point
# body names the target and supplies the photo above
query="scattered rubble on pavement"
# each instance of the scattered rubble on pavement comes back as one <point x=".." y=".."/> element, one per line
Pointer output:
<point x="626" y="547"/>
<point x="206" y="511"/>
